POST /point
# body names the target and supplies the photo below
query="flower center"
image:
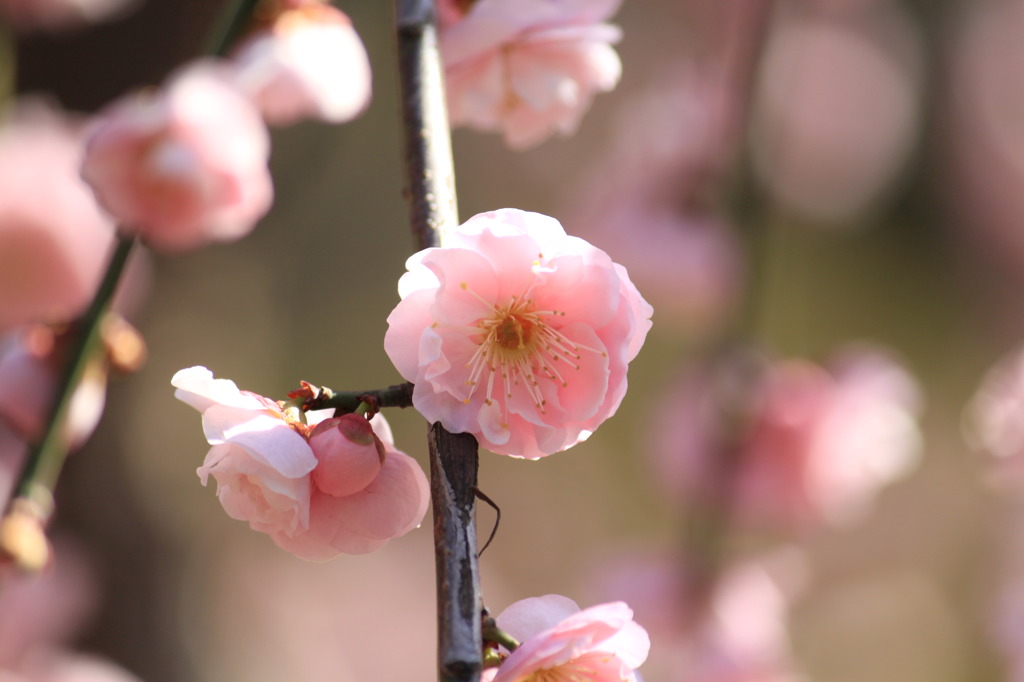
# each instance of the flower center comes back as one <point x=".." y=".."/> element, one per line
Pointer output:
<point x="519" y="345"/>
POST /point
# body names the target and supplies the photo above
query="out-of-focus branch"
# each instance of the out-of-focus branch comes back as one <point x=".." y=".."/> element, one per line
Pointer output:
<point x="22" y="537"/>
<point x="21" y="530"/>
<point x="453" y="457"/>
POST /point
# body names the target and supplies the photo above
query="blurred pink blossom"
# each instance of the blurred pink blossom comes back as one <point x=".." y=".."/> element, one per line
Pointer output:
<point x="740" y="635"/>
<point x="994" y="419"/>
<point x="645" y="202"/>
<point x="559" y="641"/>
<point x="838" y="107"/>
<point x="185" y="165"/>
<point x="262" y="462"/>
<point x="819" y="443"/>
<point x="308" y="63"/>
<point x="58" y="15"/>
<point x="40" y="613"/>
<point x="54" y="241"/>
<point x="28" y="382"/>
<point x="527" y="68"/>
<point x="983" y="131"/>
<point x="517" y="333"/>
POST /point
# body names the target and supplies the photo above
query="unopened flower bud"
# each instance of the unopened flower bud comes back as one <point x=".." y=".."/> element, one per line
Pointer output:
<point x="349" y="454"/>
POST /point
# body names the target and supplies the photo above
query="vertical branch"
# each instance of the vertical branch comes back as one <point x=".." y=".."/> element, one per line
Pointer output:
<point x="453" y="458"/>
<point x="453" y="471"/>
<point x="428" y="148"/>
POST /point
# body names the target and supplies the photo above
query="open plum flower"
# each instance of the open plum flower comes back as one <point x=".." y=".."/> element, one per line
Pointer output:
<point x="264" y="462"/>
<point x="561" y="642"/>
<point x="516" y="333"/>
<point x="528" y="69"/>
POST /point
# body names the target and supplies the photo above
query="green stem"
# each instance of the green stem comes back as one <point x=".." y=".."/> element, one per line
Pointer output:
<point x="399" y="395"/>
<point x="46" y="457"/>
<point x="231" y="27"/>
<point x="492" y="633"/>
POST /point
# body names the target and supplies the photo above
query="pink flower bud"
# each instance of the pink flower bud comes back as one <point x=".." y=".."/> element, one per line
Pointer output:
<point x="349" y="454"/>
<point x="184" y="166"/>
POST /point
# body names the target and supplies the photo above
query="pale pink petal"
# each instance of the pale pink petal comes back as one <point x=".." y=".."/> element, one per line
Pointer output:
<point x="197" y="387"/>
<point x="267" y="438"/>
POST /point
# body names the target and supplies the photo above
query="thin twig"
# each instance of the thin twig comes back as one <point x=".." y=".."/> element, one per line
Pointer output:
<point x="453" y="457"/>
<point x="32" y="504"/>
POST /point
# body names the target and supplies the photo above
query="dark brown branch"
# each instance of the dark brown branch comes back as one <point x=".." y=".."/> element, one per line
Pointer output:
<point x="430" y="177"/>
<point x="453" y="457"/>
<point x="453" y="463"/>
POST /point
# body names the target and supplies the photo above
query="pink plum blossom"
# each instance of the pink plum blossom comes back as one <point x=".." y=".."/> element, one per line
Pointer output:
<point x="308" y="63"/>
<point x="838" y="108"/>
<point x="516" y="333"/>
<point x="40" y="613"/>
<point x="527" y="68"/>
<point x="264" y="460"/>
<point x="54" y="241"/>
<point x="559" y="641"/>
<point x="994" y="419"/>
<point x="819" y="442"/>
<point x="185" y="165"/>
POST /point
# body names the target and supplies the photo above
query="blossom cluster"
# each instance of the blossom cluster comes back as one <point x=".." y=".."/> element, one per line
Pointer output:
<point x="318" y="488"/>
<point x="186" y="164"/>
<point x="819" y="444"/>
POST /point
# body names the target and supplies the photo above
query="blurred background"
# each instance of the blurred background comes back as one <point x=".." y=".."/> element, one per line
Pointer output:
<point x="876" y="199"/>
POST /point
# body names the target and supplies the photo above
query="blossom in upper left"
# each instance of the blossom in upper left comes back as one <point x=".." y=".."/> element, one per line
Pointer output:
<point x="184" y="165"/>
<point x="317" y="488"/>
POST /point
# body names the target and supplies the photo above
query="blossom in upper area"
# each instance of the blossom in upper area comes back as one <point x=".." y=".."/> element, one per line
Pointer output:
<point x="516" y="333"/>
<point x="558" y="641"/>
<point x="308" y="63"/>
<point x="527" y="68"/>
<point x="58" y="15"/>
<point x="184" y="165"/>
<point x="838" y="108"/>
<point x="54" y="241"/>
<point x="265" y="463"/>
<point x="819" y="443"/>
